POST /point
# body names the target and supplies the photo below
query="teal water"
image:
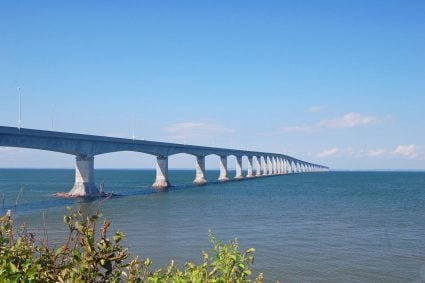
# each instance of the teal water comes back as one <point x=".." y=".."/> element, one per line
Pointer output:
<point x="314" y="227"/>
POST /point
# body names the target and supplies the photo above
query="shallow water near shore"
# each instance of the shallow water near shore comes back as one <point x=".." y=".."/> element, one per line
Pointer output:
<point x="313" y="227"/>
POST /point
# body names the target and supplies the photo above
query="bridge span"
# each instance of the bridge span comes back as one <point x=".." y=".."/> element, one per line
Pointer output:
<point x="86" y="147"/>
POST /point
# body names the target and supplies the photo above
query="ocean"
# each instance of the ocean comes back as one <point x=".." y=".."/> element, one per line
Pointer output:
<point x="311" y="227"/>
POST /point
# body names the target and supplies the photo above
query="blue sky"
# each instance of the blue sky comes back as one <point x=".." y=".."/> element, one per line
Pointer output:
<point x="340" y="83"/>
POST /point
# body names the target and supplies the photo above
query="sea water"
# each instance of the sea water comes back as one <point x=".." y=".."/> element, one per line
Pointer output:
<point x="312" y="227"/>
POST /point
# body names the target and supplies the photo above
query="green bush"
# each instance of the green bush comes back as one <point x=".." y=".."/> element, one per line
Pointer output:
<point x="89" y="255"/>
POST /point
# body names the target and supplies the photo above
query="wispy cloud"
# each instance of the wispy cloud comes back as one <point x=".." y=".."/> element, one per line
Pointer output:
<point x="348" y="120"/>
<point x="327" y="152"/>
<point x="314" y="109"/>
<point x="409" y="151"/>
<point x="376" y="153"/>
<point x="187" y="131"/>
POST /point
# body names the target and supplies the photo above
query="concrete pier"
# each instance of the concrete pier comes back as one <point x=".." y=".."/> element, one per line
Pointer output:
<point x="200" y="171"/>
<point x="84" y="178"/>
<point x="284" y="166"/>
<point x="250" y="168"/>
<point x="258" y="166"/>
<point x="223" y="169"/>
<point x="270" y="166"/>
<point x="161" y="180"/>
<point x="265" y="169"/>
<point x="293" y="167"/>
<point x="238" y="168"/>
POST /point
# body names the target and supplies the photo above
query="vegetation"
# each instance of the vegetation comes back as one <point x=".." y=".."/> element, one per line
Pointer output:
<point x="89" y="255"/>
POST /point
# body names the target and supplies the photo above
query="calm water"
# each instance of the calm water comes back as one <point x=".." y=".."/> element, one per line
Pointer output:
<point x="316" y="227"/>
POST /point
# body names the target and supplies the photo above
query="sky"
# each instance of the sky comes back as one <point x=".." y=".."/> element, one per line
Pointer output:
<point x="339" y="83"/>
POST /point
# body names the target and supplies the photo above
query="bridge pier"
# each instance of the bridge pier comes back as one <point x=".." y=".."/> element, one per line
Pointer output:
<point x="238" y="167"/>
<point x="279" y="165"/>
<point x="84" y="178"/>
<point x="161" y="180"/>
<point x="200" y="171"/>
<point x="270" y="166"/>
<point x="223" y="169"/>
<point x="291" y="167"/>
<point x="265" y="169"/>
<point x="250" y="168"/>
<point x="285" y="166"/>
<point x="258" y="166"/>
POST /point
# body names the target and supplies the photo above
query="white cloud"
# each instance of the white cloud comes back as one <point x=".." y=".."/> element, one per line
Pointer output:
<point x="314" y="109"/>
<point x="348" y="120"/>
<point x="376" y="152"/>
<point x="187" y="131"/>
<point x="327" y="152"/>
<point x="409" y="151"/>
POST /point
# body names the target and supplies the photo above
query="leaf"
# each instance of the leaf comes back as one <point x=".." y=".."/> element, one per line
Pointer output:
<point x="251" y="250"/>
<point x="58" y="251"/>
<point x="12" y="267"/>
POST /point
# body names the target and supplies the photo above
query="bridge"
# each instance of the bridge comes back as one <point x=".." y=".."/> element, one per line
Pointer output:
<point x="86" y="147"/>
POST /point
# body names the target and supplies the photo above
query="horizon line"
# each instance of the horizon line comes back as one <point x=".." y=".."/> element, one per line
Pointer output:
<point x="183" y="168"/>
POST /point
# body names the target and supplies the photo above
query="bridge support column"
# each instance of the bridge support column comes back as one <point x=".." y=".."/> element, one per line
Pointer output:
<point x="250" y="169"/>
<point x="161" y="180"/>
<point x="84" y="178"/>
<point x="270" y="166"/>
<point x="200" y="171"/>
<point x="258" y="167"/>
<point x="223" y="169"/>
<point x="265" y="166"/>
<point x="279" y="165"/>
<point x="293" y="167"/>
<point x="284" y="166"/>
<point x="238" y="167"/>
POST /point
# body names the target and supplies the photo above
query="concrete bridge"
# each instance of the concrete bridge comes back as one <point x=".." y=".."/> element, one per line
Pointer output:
<point x="86" y="147"/>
